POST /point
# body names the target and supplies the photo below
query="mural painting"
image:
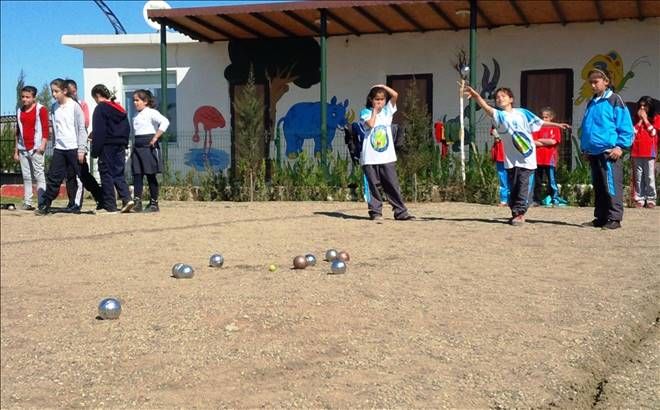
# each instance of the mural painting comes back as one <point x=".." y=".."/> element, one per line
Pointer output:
<point x="613" y="63"/>
<point x="209" y="118"/>
<point x="303" y="121"/>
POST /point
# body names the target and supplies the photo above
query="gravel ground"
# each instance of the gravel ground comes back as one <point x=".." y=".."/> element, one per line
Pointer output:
<point x="456" y="309"/>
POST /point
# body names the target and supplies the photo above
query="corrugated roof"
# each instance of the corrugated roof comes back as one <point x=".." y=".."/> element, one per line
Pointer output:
<point x="301" y="19"/>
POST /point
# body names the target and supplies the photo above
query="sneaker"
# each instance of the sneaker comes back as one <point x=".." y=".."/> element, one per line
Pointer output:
<point x="557" y="203"/>
<point x="376" y="217"/>
<point x="596" y="223"/>
<point x="650" y="205"/>
<point x="127" y="206"/>
<point x="503" y="204"/>
<point x="28" y="207"/>
<point x="42" y="210"/>
<point x="153" y="206"/>
<point x="547" y="201"/>
<point x="406" y="217"/>
<point x="73" y="210"/>
<point x="137" y="207"/>
<point x="518" y="220"/>
<point x="611" y="224"/>
<point x="639" y="204"/>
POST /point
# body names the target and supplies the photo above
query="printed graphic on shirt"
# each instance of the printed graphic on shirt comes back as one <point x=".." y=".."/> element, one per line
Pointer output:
<point x="379" y="141"/>
<point x="522" y="143"/>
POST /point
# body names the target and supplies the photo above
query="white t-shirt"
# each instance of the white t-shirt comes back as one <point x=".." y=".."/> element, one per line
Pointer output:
<point x="378" y="144"/>
<point x="148" y="121"/>
<point x="516" y="128"/>
<point x="69" y="126"/>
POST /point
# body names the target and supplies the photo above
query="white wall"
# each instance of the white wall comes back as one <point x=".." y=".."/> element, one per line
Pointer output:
<point x="355" y="63"/>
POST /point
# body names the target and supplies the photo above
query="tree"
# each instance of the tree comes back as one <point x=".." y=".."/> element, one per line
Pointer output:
<point x="417" y="152"/>
<point x="250" y="134"/>
<point x="44" y="97"/>
<point x="20" y="83"/>
<point x="276" y="63"/>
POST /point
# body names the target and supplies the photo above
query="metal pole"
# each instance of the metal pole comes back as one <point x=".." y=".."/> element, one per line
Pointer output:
<point x="324" y="88"/>
<point x="163" y="81"/>
<point x="473" y="68"/>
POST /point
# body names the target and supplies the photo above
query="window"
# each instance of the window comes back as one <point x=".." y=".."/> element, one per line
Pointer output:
<point x="151" y="81"/>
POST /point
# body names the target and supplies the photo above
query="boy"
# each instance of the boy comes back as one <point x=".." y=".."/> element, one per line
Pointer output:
<point x="31" y="138"/>
<point x="547" y="140"/>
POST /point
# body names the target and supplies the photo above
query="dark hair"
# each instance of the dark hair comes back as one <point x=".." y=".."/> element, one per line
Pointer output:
<point x="648" y="101"/>
<point x="102" y="90"/>
<point x="602" y="73"/>
<point x="549" y="110"/>
<point x="372" y="94"/>
<point x="71" y="82"/>
<point x="29" y="89"/>
<point x="61" y="84"/>
<point x="145" y="95"/>
<point x="505" y="90"/>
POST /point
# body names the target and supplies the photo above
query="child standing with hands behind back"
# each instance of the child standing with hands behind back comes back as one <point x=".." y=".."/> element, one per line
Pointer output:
<point x="547" y="140"/>
<point x="515" y="126"/>
<point x="378" y="157"/>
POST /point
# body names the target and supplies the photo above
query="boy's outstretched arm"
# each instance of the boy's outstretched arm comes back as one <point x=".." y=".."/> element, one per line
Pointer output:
<point x="470" y="92"/>
<point x="561" y="125"/>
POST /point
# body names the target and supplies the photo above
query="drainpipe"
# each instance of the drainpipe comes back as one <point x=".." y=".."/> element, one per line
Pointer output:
<point x="163" y="81"/>
<point x="324" y="88"/>
<point x="473" y="70"/>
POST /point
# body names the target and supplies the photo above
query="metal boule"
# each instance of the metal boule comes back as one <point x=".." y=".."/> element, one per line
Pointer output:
<point x="216" y="260"/>
<point x="184" y="272"/>
<point x="338" y="267"/>
<point x="311" y="259"/>
<point x="109" y="309"/>
<point x="299" y="262"/>
<point x="343" y="256"/>
<point x="330" y="255"/>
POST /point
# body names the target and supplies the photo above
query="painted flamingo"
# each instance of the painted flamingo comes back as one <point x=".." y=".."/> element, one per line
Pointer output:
<point x="210" y="118"/>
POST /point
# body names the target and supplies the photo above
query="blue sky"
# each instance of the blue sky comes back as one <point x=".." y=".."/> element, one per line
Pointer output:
<point x="31" y="32"/>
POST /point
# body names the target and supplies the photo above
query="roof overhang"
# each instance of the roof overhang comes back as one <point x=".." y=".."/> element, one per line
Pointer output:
<point x="301" y="18"/>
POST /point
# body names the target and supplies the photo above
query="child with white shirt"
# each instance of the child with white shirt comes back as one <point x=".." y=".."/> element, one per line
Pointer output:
<point x="378" y="157"/>
<point x="70" y="145"/>
<point x="147" y="159"/>
<point x="515" y="126"/>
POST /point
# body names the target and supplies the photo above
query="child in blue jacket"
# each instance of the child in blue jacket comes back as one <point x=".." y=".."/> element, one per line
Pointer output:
<point x="606" y="131"/>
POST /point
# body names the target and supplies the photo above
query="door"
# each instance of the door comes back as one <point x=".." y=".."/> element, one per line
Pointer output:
<point x="554" y="89"/>
<point x="401" y="83"/>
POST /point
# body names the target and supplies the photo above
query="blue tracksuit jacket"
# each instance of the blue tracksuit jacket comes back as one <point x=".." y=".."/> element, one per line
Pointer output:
<point x="606" y="124"/>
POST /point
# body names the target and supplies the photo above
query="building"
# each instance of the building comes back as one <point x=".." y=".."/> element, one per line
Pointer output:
<point x="543" y="58"/>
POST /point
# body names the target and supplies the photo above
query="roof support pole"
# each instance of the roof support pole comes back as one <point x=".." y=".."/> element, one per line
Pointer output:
<point x="473" y="67"/>
<point x="163" y="81"/>
<point x="324" y="88"/>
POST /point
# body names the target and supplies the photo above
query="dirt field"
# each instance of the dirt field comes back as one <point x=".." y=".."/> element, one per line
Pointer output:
<point x="456" y="309"/>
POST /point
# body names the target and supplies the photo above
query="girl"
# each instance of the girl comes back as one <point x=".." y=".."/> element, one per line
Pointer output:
<point x="497" y="155"/>
<point x="515" y="126"/>
<point x="148" y="126"/>
<point x="111" y="130"/>
<point x="606" y="130"/>
<point x="647" y="123"/>
<point x="378" y="158"/>
<point x="70" y="145"/>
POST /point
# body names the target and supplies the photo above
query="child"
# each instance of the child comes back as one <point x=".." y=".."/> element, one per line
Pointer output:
<point x="547" y="140"/>
<point x="644" y="153"/>
<point x="519" y="149"/>
<point x="146" y="159"/>
<point x="606" y="131"/>
<point x="378" y="157"/>
<point x="31" y="138"/>
<point x="497" y="155"/>
<point x="70" y="145"/>
<point x="88" y="181"/>
<point x="111" y="130"/>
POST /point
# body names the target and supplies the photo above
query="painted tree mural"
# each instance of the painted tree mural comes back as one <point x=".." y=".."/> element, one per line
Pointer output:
<point x="276" y="63"/>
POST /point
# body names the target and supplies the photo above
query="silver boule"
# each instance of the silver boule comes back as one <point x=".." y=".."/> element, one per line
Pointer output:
<point x="184" y="272"/>
<point x="176" y="268"/>
<point x="331" y="255"/>
<point x="216" y="260"/>
<point x="109" y="309"/>
<point x="465" y="70"/>
<point x="311" y="259"/>
<point x="338" y="267"/>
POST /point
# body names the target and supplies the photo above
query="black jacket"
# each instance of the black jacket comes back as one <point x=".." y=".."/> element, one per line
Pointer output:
<point x="109" y="126"/>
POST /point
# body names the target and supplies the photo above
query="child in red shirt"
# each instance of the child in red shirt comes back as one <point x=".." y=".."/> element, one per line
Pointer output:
<point x="547" y="140"/>
<point x="497" y="155"/>
<point x="644" y="153"/>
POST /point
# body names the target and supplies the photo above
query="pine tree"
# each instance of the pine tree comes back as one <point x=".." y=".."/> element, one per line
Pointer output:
<point x="44" y="97"/>
<point x="249" y="134"/>
<point x="20" y="83"/>
<point x="417" y="152"/>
